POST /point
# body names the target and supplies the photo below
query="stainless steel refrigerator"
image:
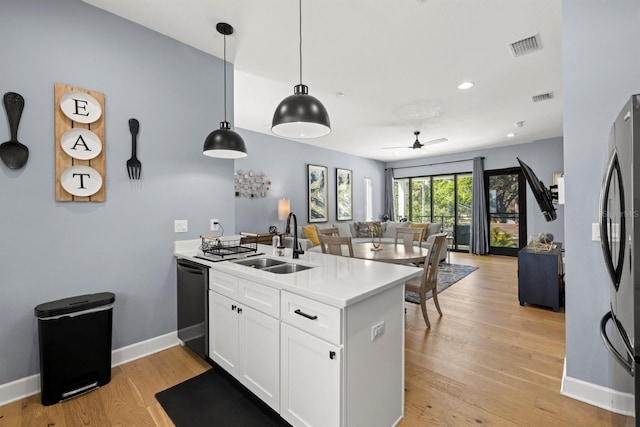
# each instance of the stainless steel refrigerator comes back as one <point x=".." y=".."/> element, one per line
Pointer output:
<point x="620" y="236"/>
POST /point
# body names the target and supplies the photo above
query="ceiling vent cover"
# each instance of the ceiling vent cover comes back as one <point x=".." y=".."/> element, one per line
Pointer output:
<point x="526" y="46"/>
<point x="542" y="97"/>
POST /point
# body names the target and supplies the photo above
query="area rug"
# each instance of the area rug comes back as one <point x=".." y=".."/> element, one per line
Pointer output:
<point x="448" y="274"/>
<point x="215" y="399"/>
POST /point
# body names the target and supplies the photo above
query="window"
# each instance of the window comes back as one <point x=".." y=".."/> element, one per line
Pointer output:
<point x="444" y="199"/>
<point x="401" y="191"/>
<point x="368" y="197"/>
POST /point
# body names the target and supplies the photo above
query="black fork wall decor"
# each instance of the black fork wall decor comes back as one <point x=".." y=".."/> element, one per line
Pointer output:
<point x="134" y="167"/>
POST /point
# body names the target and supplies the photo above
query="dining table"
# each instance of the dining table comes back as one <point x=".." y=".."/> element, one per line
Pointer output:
<point x="390" y="252"/>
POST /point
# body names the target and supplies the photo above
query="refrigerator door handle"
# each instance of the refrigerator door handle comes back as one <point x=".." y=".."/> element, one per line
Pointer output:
<point x="627" y="363"/>
<point x="614" y="266"/>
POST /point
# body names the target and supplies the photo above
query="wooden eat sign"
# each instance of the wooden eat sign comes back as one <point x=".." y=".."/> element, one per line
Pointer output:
<point x="79" y="144"/>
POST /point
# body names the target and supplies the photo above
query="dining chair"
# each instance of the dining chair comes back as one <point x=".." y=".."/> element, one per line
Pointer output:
<point x="429" y="279"/>
<point x="333" y="231"/>
<point x="444" y="250"/>
<point x="407" y="235"/>
<point x="334" y="244"/>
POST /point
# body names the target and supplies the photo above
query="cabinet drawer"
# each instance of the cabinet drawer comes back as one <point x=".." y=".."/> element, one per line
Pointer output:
<point x="319" y="319"/>
<point x="260" y="297"/>
<point x="223" y="283"/>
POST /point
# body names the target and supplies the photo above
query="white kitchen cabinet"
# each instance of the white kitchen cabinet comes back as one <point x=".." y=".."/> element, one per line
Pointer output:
<point x="334" y="370"/>
<point x="311" y="379"/>
<point x="244" y="341"/>
<point x="259" y="338"/>
<point x="223" y="332"/>
<point x="323" y="347"/>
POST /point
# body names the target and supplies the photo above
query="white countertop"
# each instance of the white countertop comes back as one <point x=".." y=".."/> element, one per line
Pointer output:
<point x="336" y="280"/>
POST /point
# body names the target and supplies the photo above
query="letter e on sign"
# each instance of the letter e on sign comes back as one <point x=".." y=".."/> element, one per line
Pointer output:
<point x="80" y="107"/>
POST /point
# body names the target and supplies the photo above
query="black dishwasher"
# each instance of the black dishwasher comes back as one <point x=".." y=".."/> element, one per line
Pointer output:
<point x="193" y="306"/>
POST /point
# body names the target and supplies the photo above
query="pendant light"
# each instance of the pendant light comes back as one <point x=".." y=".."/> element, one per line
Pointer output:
<point x="300" y="115"/>
<point x="224" y="143"/>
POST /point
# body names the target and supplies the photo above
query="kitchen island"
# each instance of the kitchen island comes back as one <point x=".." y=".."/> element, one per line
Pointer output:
<point x="321" y="346"/>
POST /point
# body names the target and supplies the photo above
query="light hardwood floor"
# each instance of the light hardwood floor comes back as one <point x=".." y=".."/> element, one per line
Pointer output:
<point x="487" y="361"/>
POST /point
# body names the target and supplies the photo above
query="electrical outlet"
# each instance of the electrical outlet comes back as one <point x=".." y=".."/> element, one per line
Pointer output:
<point x="181" y="225"/>
<point x="377" y="331"/>
<point x="214" y="225"/>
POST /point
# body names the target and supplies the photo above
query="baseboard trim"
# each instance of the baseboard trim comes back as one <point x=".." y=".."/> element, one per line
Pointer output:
<point x="28" y="386"/>
<point x="596" y="395"/>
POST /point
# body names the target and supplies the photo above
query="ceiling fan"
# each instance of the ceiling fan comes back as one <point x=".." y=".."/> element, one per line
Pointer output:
<point x="417" y="144"/>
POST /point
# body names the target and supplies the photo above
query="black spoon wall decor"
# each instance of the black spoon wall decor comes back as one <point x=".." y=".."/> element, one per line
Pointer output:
<point x="13" y="153"/>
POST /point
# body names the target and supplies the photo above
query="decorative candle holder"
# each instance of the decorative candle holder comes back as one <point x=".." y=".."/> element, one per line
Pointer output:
<point x="376" y="236"/>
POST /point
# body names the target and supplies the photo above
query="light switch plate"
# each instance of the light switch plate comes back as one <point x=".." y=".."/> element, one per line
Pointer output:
<point x="214" y="225"/>
<point x="181" y="225"/>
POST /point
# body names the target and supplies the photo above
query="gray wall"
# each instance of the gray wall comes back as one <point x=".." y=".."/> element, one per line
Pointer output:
<point x="50" y="250"/>
<point x="285" y="162"/>
<point x="544" y="157"/>
<point x="601" y="69"/>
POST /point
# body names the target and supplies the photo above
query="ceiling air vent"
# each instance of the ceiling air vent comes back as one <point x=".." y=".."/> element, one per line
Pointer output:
<point x="526" y="46"/>
<point x="542" y="97"/>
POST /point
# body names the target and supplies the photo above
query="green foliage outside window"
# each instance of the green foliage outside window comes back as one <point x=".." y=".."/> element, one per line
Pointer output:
<point x="501" y="238"/>
<point x="441" y="189"/>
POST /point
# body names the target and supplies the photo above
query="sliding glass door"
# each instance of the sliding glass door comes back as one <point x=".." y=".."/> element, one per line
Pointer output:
<point x="507" y="213"/>
<point x="463" y="211"/>
<point x="444" y="199"/>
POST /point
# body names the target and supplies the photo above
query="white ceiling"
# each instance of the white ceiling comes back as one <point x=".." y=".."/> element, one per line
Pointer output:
<point x="397" y="63"/>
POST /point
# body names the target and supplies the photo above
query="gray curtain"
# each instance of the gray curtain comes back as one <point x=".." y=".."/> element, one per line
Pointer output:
<point x="389" y="197"/>
<point x="479" y="224"/>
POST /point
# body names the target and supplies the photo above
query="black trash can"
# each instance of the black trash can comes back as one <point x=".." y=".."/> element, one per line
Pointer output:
<point x="75" y="345"/>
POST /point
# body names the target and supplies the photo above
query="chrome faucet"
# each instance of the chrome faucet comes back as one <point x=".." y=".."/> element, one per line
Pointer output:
<point x="296" y="247"/>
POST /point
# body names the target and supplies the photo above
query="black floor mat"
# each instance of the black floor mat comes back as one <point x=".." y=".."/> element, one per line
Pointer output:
<point x="214" y="399"/>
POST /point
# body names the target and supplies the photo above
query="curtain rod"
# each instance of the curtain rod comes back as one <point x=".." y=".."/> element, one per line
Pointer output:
<point x="433" y="164"/>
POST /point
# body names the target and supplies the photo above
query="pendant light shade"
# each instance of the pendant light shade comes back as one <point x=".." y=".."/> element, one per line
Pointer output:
<point x="300" y="115"/>
<point x="224" y="143"/>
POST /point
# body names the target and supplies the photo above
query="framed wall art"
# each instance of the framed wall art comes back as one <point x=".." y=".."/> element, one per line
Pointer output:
<point x="318" y="200"/>
<point x="344" y="194"/>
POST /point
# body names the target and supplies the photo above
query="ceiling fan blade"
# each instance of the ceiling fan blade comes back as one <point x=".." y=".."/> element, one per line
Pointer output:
<point x="435" y="141"/>
<point x="417" y="144"/>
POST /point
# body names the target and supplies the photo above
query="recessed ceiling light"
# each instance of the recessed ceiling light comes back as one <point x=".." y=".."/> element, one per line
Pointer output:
<point x="511" y="135"/>
<point x="465" y="85"/>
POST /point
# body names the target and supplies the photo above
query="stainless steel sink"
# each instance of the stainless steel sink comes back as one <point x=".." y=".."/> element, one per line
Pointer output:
<point x="272" y="265"/>
<point x="287" y="268"/>
<point x="260" y="263"/>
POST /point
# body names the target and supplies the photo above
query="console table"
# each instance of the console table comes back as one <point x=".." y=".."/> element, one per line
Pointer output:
<point x="540" y="276"/>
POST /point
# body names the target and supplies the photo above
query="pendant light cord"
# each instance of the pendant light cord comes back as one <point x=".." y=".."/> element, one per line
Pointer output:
<point x="224" y="64"/>
<point x="300" y="32"/>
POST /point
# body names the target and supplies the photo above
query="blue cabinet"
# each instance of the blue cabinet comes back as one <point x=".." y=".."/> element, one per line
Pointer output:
<point x="540" y="277"/>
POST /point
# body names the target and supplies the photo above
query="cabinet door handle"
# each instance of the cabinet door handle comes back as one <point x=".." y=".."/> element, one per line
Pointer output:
<point x="239" y="310"/>
<point x="332" y="355"/>
<point x="233" y="307"/>
<point x="303" y="314"/>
